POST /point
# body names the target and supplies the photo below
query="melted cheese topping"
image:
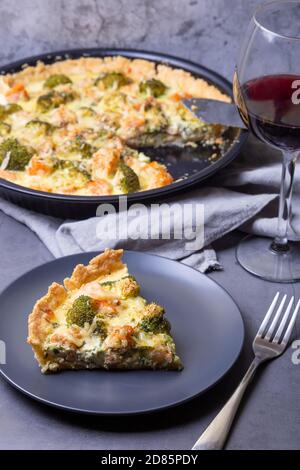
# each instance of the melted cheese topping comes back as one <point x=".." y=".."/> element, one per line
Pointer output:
<point x="129" y="312"/>
<point x="91" y="124"/>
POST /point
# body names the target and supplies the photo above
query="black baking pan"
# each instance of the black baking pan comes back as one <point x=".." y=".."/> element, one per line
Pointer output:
<point x="188" y="166"/>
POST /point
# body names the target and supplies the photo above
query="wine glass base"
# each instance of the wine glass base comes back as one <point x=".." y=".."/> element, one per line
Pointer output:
<point x="256" y="256"/>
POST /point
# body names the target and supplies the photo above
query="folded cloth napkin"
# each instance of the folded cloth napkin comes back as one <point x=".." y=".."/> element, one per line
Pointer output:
<point x="258" y="171"/>
<point x="243" y="195"/>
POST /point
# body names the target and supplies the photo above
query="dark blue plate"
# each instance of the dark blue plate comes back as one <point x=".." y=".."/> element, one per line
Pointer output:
<point x="206" y="324"/>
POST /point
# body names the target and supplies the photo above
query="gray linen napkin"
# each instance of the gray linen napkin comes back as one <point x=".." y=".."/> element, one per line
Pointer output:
<point x="242" y="195"/>
<point x="224" y="211"/>
<point x="258" y="171"/>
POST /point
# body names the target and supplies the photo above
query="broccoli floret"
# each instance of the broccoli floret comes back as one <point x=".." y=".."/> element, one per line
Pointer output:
<point x="4" y="129"/>
<point x="155" y="325"/>
<point x="127" y="286"/>
<point x="101" y="327"/>
<point x="156" y="119"/>
<point x="129" y="181"/>
<point x="9" y="109"/>
<point x="54" y="99"/>
<point x="57" y="79"/>
<point x="108" y="284"/>
<point x="12" y="108"/>
<point x="55" y="350"/>
<point x="73" y="166"/>
<point x="18" y="156"/>
<point x="113" y="79"/>
<point x="104" y="134"/>
<point x="81" y="312"/>
<point x="154" y="321"/>
<point x="41" y="126"/>
<point x="85" y="149"/>
<point x="86" y="111"/>
<point x="153" y="86"/>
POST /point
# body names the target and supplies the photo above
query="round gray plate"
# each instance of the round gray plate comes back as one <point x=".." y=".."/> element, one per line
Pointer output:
<point x="206" y="325"/>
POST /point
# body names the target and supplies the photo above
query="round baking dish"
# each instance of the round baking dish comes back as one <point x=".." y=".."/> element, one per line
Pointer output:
<point x="188" y="166"/>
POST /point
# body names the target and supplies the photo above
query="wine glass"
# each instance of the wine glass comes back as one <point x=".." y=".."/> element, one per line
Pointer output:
<point x="267" y="93"/>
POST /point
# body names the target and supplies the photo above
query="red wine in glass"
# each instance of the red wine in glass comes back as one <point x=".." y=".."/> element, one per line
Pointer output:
<point x="267" y="92"/>
<point x="270" y="107"/>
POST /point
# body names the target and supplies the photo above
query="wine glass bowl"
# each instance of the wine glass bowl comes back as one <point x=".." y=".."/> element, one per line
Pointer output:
<point x="266" y="90"/>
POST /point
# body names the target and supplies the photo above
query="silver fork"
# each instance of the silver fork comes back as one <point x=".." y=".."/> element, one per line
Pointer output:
<point x="268" y="344"/>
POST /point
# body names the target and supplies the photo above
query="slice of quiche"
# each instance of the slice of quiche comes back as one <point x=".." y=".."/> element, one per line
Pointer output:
<point x="99" y="320"/>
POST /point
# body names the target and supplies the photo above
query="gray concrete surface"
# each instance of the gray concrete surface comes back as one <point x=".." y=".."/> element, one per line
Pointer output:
<point x="207" y="31"/>
<point x="210" y="32"/>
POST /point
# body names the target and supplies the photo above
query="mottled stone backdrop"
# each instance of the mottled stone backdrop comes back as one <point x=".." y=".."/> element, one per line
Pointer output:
<point x="207" y="31"/>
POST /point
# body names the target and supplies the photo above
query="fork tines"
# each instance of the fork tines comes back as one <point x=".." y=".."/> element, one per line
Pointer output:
<point x="281" y="325"/>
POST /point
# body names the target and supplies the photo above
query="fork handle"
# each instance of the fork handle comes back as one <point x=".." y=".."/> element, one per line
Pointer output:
<point x="216" y="433"/>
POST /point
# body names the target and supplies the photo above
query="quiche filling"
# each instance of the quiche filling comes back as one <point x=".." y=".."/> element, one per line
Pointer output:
<point x="98" y="319"/>
<point x="74" y="127"/>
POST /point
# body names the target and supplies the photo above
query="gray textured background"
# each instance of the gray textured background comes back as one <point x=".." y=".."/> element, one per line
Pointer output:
<point x="208" y="31"/>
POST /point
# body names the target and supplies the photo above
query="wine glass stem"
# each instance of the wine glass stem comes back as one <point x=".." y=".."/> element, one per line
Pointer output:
<point x="280" y="243"/>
